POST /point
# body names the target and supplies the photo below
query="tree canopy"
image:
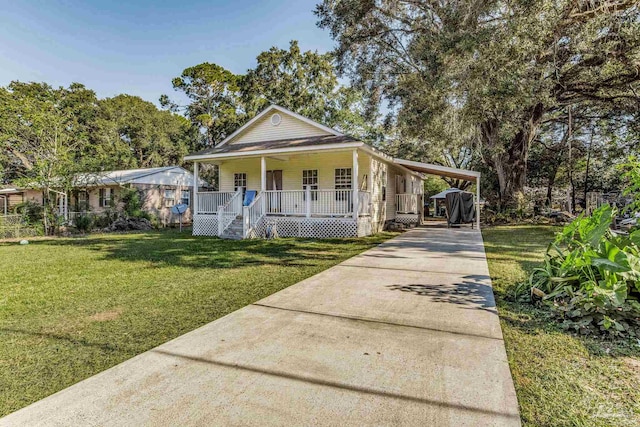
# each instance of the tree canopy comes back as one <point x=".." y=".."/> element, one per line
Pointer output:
<point x="304" y="82"/>
<point x="501" y="69"/>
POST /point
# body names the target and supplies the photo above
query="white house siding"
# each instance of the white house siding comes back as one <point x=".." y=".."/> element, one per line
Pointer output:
<point x="379" y="206"/>
<point x="289" y="127"/>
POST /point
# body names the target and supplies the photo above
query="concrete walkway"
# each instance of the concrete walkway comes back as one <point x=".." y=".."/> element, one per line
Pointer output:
<point x="403" y="334"/>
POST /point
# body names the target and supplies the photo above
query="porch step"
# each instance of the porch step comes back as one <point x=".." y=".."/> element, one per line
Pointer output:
<point x="235" y="230"/>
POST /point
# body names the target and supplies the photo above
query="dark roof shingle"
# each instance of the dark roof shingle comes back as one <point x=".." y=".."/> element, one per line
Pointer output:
<point x="278" y="144"/>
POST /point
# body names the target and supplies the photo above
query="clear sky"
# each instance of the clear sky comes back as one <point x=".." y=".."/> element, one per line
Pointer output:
<point x="137" y="47"/>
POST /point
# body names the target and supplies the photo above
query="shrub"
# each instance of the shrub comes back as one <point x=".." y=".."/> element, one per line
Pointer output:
<point x="32" y="212"/>
<point x="133" y="204"/>
<point x="83" y="223"/>
<point x="591" y="276"/>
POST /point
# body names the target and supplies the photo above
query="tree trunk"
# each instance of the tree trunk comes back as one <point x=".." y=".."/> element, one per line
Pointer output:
<point x="510" y="162"/>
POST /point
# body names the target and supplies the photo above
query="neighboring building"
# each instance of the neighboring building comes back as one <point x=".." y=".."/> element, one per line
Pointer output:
<point x="310" y="180"/>
<point x="160" y="189"/>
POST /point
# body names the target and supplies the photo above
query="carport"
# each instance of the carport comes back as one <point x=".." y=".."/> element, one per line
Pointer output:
<point x="444" y="171"/>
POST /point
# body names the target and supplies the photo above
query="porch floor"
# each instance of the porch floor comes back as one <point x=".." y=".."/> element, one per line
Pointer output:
<point x="404" y="334"/>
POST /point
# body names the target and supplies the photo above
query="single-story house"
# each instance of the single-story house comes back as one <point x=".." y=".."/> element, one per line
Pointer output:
<point x="282" y="174"/>
<point x="160" y="189"/>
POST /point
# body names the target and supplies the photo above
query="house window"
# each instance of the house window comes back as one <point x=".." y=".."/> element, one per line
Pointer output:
<point x="169" y="198"/>
<point x="239" y="180"/>
<point x="82" y="201"/>
<point x="105" y="197"/>
<point x="310" y="178"/>
<point x="186" y="197"/>
<point x="384" y="186"/>
<point x="342" y="182"/>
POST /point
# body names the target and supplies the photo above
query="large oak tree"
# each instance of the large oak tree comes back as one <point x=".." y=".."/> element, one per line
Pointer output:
<point x="500" y="67"/>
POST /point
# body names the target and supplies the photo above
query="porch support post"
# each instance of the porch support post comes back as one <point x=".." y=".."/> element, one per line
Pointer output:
<point x="355" y="183"/>
<point x="307" y="191"/>
<point x="263" y="173"/>
<point x="478" y="202"/>
<point x="195" y="188"/>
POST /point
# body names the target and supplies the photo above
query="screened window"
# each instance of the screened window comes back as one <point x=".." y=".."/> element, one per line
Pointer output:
<point x="169" y="198"/>
<point x="310" y="179"/>
<point x="239" y="180"/>
<point x="342" y="182"/>
<point x="82" y="201"/>
<point x="186" y="197"/>
<point x="105" y="197"/>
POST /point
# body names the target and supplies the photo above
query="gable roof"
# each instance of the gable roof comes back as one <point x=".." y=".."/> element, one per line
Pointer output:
<point x="274" y="107"/>
<point x="165" y="175"/>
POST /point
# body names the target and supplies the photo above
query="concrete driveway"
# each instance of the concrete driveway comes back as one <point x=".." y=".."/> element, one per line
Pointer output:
<point x="404" y="334"/>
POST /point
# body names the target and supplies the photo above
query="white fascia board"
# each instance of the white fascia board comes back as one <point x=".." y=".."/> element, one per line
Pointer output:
<point x="338" y="146"/>
<point x="444" y="170"/>
<point x="282" y="110"/>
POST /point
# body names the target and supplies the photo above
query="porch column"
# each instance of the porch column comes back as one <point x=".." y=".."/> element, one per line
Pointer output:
<point x="354" y="183"/>
<point x="478" y="202"/>
<point x="195" y="188"/>
<point x="263" y="174"/>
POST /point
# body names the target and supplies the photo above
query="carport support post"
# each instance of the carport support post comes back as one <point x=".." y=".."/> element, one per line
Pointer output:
<point x="478" y="201"/>
<point x="195" y="188"/>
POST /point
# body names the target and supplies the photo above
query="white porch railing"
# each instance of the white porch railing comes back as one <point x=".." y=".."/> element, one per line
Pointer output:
<point x="407" y="203"/>
<point x="331" y="202"/>
<point x="210" y="201"/>
<point x="253" y="213"/>
<point x="309" y="202"/>
<point x="229" y="211"/>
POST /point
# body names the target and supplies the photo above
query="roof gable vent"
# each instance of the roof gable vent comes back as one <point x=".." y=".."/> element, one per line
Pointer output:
<point x="276" y="119"/>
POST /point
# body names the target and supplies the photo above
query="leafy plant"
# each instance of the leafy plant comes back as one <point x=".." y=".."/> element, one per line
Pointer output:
<point x="133" y="204"/>
<point x="591" y="276"/>
<point x="83" y="223"/>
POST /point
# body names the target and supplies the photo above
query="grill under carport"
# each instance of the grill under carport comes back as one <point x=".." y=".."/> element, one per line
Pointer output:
<point x="444" y="171"/>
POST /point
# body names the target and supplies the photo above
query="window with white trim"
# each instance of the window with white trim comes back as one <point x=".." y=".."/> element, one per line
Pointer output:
<point x="185" y="197"/>
<point x="239" y="180"/>
<point x="105" y="197"/>
<point x="169" y="197"/>
<point x="310" y="179"/>
<point x="342" y="181"/>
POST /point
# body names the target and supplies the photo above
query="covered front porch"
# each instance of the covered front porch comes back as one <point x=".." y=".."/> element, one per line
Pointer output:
<point x="337" y="193"/>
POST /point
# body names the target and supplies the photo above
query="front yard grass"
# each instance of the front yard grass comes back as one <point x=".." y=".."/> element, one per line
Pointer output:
<point x="561" y="379"/>
<point x="70" y="308"/>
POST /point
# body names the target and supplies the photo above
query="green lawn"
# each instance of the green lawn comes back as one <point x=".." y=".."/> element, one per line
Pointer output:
<point x="560" y="379"/>
<point x="70" y="308"/>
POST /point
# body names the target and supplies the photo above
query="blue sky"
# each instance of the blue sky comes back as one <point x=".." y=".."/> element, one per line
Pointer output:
<point x="137" y="47"/>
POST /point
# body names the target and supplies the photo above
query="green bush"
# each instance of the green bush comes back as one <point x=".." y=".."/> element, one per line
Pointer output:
<point x="83" y="223"/>
<point x="133" y="204"/>
<point x="32" y="212"/>
<point x="591" y="276"/>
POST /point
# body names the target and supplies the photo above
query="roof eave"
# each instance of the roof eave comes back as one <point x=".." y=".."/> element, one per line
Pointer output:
<point x="269" y="151"/>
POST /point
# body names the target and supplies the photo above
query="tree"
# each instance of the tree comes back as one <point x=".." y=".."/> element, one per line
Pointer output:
<point x="501" y="67"/>
<point x="304" y="82"/>
<point x="130" y="132"/>
<point x="42" y="137"/>
<point x="214" y="105"/>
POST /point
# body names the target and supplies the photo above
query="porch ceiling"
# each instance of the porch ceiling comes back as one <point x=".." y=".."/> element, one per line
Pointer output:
<point x="432" y="169"/>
